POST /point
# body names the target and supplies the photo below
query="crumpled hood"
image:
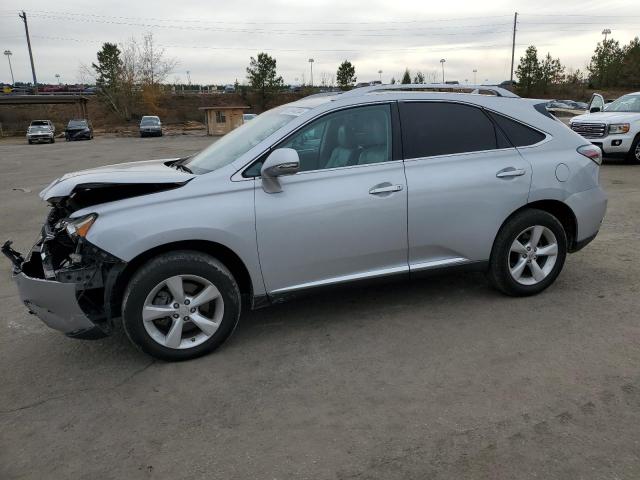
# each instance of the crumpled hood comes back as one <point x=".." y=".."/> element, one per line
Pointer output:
<point x="146" y="172"/>
<point x="608" y="117"/>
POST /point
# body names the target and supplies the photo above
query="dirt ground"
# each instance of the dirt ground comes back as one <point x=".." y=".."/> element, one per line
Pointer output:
<point x="438" y="379"/>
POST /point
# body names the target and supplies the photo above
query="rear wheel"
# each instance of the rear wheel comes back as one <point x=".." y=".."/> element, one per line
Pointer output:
<point x="634" y="153"/>
<point x="181" y="305"/>
<point x="528" y="253"/>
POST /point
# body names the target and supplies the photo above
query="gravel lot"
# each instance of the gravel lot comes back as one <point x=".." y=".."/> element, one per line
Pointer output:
<point x="440" y="379"/>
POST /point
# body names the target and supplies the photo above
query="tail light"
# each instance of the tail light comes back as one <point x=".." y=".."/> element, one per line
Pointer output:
<point x="592" y="152"/>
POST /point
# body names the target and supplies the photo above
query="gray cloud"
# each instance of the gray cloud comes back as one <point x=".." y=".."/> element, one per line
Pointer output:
<point x="214" y="40"/>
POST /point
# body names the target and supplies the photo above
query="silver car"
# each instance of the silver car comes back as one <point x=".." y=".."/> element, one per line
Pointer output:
<point x="150" y="125"/>
<point x="376" y="182"/>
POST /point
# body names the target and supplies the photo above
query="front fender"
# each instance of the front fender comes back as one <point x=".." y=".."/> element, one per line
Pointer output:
<point x="138" y="225"/>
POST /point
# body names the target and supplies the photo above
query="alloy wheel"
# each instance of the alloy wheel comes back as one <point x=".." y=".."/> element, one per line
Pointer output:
<point x="183" y="311"/>
<point x="533" y="255"/>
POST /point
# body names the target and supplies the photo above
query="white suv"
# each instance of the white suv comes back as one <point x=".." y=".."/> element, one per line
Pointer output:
<point x="614" y="127"/>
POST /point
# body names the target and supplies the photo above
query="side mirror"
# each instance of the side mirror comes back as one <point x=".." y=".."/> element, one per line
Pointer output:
<point x="282" y="161"/>
<point x="594" y="109"/>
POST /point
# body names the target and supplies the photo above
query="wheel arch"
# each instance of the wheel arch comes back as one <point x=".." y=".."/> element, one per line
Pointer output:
<point x="224" y="254"/>
<point x="558" y="209"/>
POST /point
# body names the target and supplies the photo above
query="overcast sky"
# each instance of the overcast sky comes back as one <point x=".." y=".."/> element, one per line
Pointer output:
<point x="214" y="40"/>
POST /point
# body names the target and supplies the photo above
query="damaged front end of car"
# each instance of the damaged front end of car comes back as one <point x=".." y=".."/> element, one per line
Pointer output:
<point x="64" y="279"/>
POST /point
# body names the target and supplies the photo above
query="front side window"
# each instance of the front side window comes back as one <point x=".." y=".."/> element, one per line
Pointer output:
<point x="238" y="142"/>
<point x="356" y="136"/>
<point x="441" y="128"/>
<point x="220" y="117"/>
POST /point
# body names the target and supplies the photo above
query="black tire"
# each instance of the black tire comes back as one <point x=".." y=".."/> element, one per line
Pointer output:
<point x="499" y="274"/>
<point x="30" y="142"/>
<point x="53" y="140"/>
<point x="632" y="156"/>
<point x="167" y="265"/>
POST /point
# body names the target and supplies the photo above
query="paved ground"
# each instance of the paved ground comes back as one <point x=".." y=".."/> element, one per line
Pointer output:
<point x="442" y="379"/>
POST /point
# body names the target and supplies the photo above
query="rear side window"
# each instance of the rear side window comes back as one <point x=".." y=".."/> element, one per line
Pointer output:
<point x="440" y="128"/>
<point x="520" y="135"/>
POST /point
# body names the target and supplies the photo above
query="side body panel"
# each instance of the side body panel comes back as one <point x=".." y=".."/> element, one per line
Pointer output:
<point x="457" y="204"/>
<point x="325" y="227"/>
<point x="210" y="208"/>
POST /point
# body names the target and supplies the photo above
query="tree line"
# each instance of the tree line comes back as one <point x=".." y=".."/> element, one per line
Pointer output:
<point x="611" y="65"/>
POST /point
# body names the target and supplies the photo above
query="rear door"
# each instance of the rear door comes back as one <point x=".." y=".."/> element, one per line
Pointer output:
<point x="464" y="179"/>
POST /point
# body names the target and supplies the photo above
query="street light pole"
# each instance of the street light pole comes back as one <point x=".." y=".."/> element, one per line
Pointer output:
<point x="8" y="54"/>
<point x="475" y="77"/>
<point x="442" y="60"/>
<point x="311" y="63"/>
<point x="380" y="75"/>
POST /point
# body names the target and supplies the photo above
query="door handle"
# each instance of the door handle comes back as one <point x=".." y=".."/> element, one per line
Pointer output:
<point x="511" y="172"/>
<point x="385" y="189"/>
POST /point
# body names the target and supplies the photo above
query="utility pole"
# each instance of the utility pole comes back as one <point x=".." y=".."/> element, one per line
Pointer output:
<point x="475" y="76"/>
<point x="606" y="32"/>
<point x="442" y="60"/>
<point x="8" y="54"/>
<point x="513" y="46"/>
<point x="23" y="16"/>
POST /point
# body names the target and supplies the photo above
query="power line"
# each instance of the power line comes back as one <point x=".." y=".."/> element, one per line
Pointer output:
<point x="261" y="22"/>
<point x="303" y="33"/>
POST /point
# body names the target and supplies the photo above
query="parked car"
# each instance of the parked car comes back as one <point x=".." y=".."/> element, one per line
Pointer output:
<point x="614" y="127"/>
<point x="150" y="125"/>
<point x="575" y="105"/>
<point x="248" y="116"/>
<point x="374" y="182"/>
<point x="229" y="89"/>
<point x="45" y="123"/>
<point x="41" y="131"/>
<point x="78" y="129"/>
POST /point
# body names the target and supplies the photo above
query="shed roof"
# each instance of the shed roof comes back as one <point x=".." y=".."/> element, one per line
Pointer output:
<point x="226" y="107"/>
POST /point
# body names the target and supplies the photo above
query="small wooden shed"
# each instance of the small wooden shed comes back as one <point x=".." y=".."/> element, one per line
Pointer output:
<point x="221" y="120"/>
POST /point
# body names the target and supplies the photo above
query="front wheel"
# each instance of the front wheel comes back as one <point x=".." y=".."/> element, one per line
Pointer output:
<point x="528" y="253"/>
<point x="181" y="305"/>
<point x="634" y="153"/>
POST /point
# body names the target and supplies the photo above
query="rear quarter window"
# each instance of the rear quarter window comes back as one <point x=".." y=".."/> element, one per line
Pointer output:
<point x="518" y="134"/>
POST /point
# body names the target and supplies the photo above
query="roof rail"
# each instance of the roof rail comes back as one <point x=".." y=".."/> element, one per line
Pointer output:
<point x="475" y="89"/>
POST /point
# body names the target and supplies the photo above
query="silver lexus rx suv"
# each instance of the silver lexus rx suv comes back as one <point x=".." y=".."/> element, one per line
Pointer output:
<point x="376" y="182"/>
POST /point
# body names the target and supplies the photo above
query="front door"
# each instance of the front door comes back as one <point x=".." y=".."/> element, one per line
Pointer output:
<point x="344" y="215"/>
<point x="597" y="103"/>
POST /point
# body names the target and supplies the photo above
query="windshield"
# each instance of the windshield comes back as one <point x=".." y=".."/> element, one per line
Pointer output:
<point x="242" y="139"/>
<point x="39" y="123"/>
<point x="77" y="123"/>
<point x="150" y="121"/>
<point x="626" y="103"/>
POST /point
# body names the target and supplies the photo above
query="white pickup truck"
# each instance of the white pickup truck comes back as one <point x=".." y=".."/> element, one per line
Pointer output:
<point x="614" y="127"/>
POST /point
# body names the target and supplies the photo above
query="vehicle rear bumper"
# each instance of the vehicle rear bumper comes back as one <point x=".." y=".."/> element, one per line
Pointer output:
<point x="589" y="208"/>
